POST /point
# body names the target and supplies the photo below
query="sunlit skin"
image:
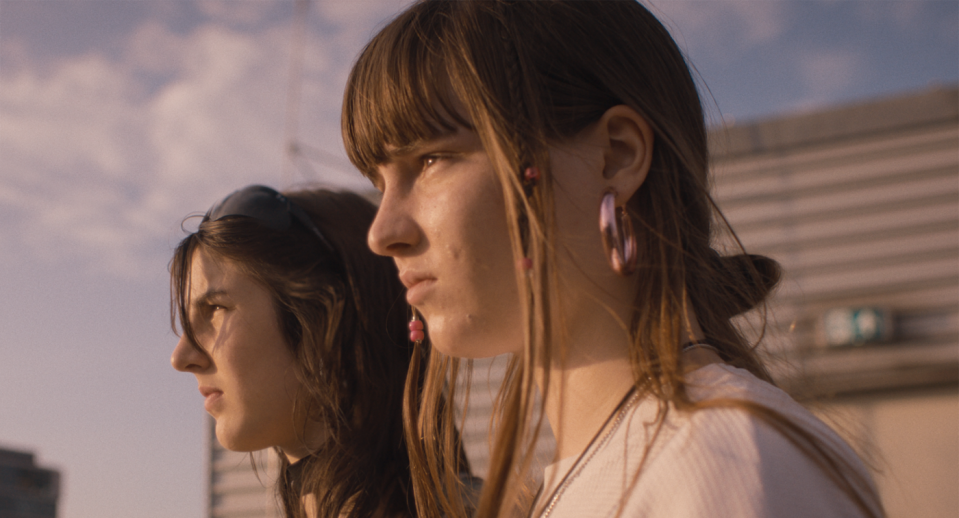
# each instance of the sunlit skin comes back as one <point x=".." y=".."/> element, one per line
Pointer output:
<point x="243" y="367"/>
<point x="442" y="219"/>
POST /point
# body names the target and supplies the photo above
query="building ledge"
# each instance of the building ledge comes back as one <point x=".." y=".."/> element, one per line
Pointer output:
<point x="816" y="373"/>
<point x="939" y="105"/>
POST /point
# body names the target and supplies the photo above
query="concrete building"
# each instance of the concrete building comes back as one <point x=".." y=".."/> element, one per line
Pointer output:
<point x="236" y="487"/>
<point x="860" y="204"/>
<point x="26" y="490"/>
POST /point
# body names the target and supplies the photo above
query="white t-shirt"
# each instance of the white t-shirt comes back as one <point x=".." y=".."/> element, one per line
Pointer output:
<point x="722" y="462"/>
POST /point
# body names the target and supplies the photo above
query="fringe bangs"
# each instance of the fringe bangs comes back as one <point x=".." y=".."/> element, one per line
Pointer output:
<point x="399" y="92"/>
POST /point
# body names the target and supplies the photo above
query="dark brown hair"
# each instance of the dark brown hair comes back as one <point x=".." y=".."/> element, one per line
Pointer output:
<point x="343" y="316"/>
<point x="528" y="73"/>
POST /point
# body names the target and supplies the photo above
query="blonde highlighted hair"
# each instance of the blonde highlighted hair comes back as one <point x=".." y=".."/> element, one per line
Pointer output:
<point x="528" y="73"/>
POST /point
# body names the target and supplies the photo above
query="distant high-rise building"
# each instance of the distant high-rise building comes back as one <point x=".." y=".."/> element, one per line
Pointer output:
<point x="26" y="490"/>
<point x="236" y="488"/>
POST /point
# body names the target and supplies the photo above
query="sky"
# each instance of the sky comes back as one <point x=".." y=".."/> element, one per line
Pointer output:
<point x="119" y="118"/>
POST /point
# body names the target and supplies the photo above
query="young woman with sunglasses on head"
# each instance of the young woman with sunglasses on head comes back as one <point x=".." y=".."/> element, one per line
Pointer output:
<point x="544" y="174"/>
<point x="292" y="328"/>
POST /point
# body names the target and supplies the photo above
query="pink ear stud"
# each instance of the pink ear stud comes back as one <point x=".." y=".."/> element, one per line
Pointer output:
<point x="416" y="329"/>
<point x="531" y="174"/>
<point x="526" y="264"/>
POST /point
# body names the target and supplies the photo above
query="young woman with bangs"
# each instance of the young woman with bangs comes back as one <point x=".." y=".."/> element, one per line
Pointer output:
<point x="293" y="329"/>
<point x="543" y="166"/>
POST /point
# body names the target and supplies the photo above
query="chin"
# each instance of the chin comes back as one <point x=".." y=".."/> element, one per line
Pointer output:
<point x="234" y="441"/>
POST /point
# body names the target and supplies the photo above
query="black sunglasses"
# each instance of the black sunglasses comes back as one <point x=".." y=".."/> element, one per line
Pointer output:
<point x="267" y="207"/>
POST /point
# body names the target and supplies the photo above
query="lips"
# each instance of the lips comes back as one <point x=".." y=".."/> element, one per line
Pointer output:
<point x="417" y="286"/>
<point x="212" y="396"/>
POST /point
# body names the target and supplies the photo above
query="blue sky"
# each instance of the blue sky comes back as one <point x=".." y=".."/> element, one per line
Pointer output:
<point x="118" y="118"/>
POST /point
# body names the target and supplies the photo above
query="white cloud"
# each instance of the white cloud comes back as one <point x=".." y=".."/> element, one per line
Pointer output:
<point x="721" y="30"/>
<point x="829" y="72"/>
<point x="912" y="19"/>
<point x="245" y="12"/>
<point x="222" y="115"/>
<point x="101" y="159"/>
<point x="359" y="13"/>
<point x="826" y="74"/>
<point x="906" y="14"/>
<point x="152" y="48"/>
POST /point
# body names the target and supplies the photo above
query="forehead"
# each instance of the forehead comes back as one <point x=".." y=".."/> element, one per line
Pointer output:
<point x="211" y="273"/>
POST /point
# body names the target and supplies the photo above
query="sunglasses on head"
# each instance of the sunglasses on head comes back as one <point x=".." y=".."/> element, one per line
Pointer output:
<point x="266" y="206"/>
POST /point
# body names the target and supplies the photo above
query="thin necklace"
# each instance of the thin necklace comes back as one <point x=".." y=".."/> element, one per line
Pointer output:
<point x="689" y="346"/>
<point x="583" y="460"/>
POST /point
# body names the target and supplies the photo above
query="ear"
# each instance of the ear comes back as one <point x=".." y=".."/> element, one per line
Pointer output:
<point x="627" y="150"/>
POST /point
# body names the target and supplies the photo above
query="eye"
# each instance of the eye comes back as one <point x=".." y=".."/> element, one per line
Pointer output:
<point x="209" y="310"/>
<point x="434" y="160"/>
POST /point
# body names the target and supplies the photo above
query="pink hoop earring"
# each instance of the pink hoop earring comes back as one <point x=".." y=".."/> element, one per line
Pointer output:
<point x="619" y="240"/>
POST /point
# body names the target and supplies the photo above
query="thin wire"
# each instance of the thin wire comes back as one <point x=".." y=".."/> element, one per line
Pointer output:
<point x="323" y="157"/>
<point x="292" y="149"/>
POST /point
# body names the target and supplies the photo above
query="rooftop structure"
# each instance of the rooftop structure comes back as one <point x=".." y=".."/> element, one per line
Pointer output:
<point x="26" y="490"/>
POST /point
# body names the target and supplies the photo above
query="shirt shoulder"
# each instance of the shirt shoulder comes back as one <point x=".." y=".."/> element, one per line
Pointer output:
<point x="729" y="460"/>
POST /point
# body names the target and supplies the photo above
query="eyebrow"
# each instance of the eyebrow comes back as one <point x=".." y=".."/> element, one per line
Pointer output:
<point x="393" y="152"/>
<point x="390" y="154"/>
<point x="413" y="147"/>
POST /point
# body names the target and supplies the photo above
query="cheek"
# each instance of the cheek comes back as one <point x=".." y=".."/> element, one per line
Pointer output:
<point x="484" y="221"/>
<point x="264" y="368"/>
<point x="495" y="326"/>
<point x="267" y="391"/>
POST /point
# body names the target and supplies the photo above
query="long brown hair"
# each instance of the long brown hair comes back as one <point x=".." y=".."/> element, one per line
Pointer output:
<point x="343" y="316"/>
<point x="528" y="74"/>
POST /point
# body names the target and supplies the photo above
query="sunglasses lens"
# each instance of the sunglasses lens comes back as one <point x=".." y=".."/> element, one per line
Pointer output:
<point x="258" y="202"/>
<point x="268" y="207"/>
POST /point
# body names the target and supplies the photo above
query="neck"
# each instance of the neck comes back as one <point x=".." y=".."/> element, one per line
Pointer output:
<point x="588" y="385"/>
<point x="597" y="373"/>
<point x="313" y="436"/>
<point x="581" y="399"/>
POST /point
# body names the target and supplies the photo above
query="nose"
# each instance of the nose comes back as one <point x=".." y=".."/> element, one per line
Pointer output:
<point x="187" y="357"/>
<point x="394" y="231"/>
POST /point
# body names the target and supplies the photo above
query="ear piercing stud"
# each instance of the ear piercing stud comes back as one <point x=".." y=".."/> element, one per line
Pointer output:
<point x="531" y="174"/>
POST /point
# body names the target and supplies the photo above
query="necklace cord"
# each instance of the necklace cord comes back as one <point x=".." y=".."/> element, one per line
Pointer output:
<point x="561" y="486"/>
